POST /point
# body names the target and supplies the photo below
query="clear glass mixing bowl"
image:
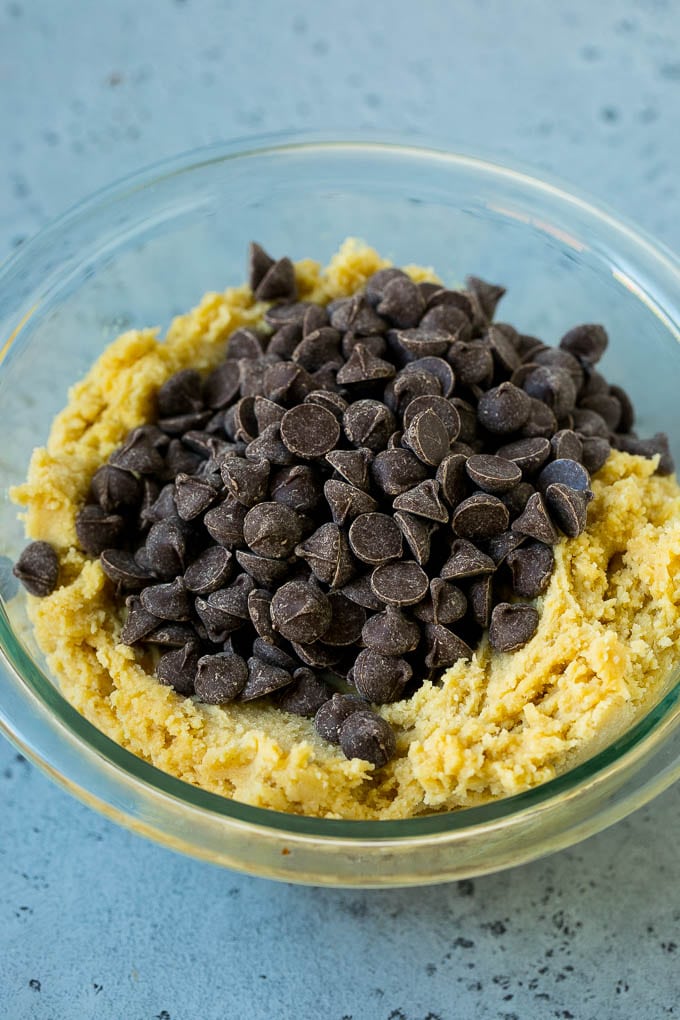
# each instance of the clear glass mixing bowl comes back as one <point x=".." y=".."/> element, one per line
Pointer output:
<point x="148" y="248"/>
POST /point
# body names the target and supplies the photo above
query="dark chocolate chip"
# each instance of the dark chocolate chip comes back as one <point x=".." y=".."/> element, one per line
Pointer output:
<point x="480" y="516"/>
<point x="328" y="554"/>
<point x="347" y="502"/>
<point x="448" y="319"/>
<point x="259" y="264"/>
<point x="445" y="410"/>
<point x="553" y="387"/>
<point x="565" y="472"/>
<point x="193" y="496"/>
<point x="432" y="366"/>
<point x="309" y="430"/>
<point x="401" y="302"/>
<point x="305" y="695"/>
<point x="444" y="647"/>
<point x="273" y="654"/>
<point x="177" y="668"/>
<point x="333" y="402"/>
<point x="166" y="547"/>
<point x="122" y="568"/>
<point x="368" y="736"/>
<point x="38" y="569"/>
<point x="512" y="626"/>
<point x="287" y="383"/>
<point x="222" y="385"/>
<point x="531" y="566"/>
<point x="590" y="423"/>
<point x="453" y="478"/>
<point x="352" y="465"/>
<point x="368" y="423"/>
<point x="98" y="530"/>
<point x="499" y="546"/>
<point x="331" y="715"/>
<point x="466" y="560"/>
<point x="296" y="487"/>
<point x="627" y="411"/>
<point x="480" y="595"/>
<point x="553" y="357"/>
<point x="595" y="453"/>
<point x="272" y="529"/>
<point x="359" y="590"/>
<point x="317" y="654"/>
<point x="428" y="437"/>
<point x="471" y="361"/>
<point x="287" y="314"/>
<point x="264" y="570"/>
<point x="167" y="601"/>
<point x="391" y="633"/>
<point x="502" y="348"/>
<point x="267" y="412"/>
<point x="347" y="620"/>
<point x="363" y="366"/>
<point x="115" y="489"/>
<point x="492" y="473"/>
<point x="417" y="532"/>
<point x="269" y="446"/>
<point x="219" y="623"/>
<point x="568" y="507"/>
<point x="278" y="282"/>
<point x="587" y="342"/>
<point x="224" y="523"/>
<point x="534" y="521"/>
<point x="180" y="394"/>
<point x="246" y="479"/>
<point x="300" y="612"/>
<point x="315" y="317"/>
<point x="318" y="348"/>
<point x="540" y="422"/>
<point x="487" y="294"/>
<point x="375" y="538"/>
<point x="503" y="409"/>
<point x="375" y="285"/>
<point x="607" y="406"/>
<point x="397" y="470"/>
<point x="565" y="444"/>
<point x="446" y="604"/>
<point x="172" y="635"/>
<point x="380" y="678"/>
<point x="423" y="500"/>
<point x="263" y="679"/>
<point x="528" y="454"/>
<point x="285" y="340"/>
<point x="139" y="622"/>
<point x="407" y="386"/>
<point x="210" y="571"/>
<point x="259" y="610"/>
<point x="179" y="459"/>
<point x="413" y="344"/>
<point x="175" y="426"/>
<point x="244" y="343"/>
<point x="399" y="584"/>
<point x="220" y="678"/>
<point x="468" y="420"/>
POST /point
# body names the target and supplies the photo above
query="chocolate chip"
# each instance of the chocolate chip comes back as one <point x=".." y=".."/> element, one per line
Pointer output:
<point x="331" y="715"/>
<point x="541" y="420"/>
<point x="369" y="737"/>
<point x="568" y="507"/>
<point x="309" y="430"/>
<point x="269" y="446"/>
<point x="300" y="612"/>
<point x="172" y="635"/>
<point x="446" y="604"/>
<point x="267" y="412"/>
<point x="315" y="317"/>
<point x="531" y="566"/>
<point x="444" y="409"/>
<point x="177" y="669"/>
<point x="466" y="560"/>
<point x="175" y="426"/>
<point x="607" y="406"/>
<point x="471" y="361"/>
<point x="502" y="348"/>
<point x="259" y="610"/>
<point x="480" y="595"/>
<point x="179" y="459"/>
<point x="246" y="479"/>
<point x="448" y="319"/>
<point x="273" y="654"/>
<point x="244" y="343"/>
<point x="222" y="385"/>
<point x="375" y="538"/>
<point x="565" y="444"/>
<point x="218" y="623"/>
<point x="352" y="465"/>
<point x="210" y="571"/>
<point x="285" y="340"/>
<point x="423" y="500"/>
<point x="347" y="502"/>
<point x="296" y="487"/>
<point x="115" y="489"/>
<point x="347" y="620"/>
<point x="363" y="366"/>
<point x="499" y="546"/>
<point x="122" y="568"/>
<point x="627" y="411"/>
<point x="317" y="654"/>
<point x="318" y="348"/>
<point x="391" y="633"/>
<point x="139" y="622"/>
<point x="193" y="496"/>
<point x="428" y="437"/>
<point x="287" y="383"/>
<point x="413" y="344"/>
<point x="492" y="473"/>
<point x="264" y="570"/>
<point x="517" y="499"/>
<point x="180" y="394"/>
<point x="167" y="601"/>
<point x="444" y="647"/>
<point x="224" y="611"/>
<point x="407" y="386"/>
<point x="359" y="590"/>
<point x="433" y="367"/>
<point x="224" y="523"/>
<point x="397" y="470"/>
<point x="554" y="387"/>
<point x="333" y="402"/>
<point x="587" y="342"/>
<point x="263" y="679"/>
<point x="528" y="454"/>
<point x="590" y="423"/>
<point x="38" y="569"/>
<point x="166" y="547"/>
<point x="220" y="678"/>
<point x="553" y="357"/>
<point x="287" y="314"/>
<point x="565" y="472"/>
<point x="305" y="695"/>
<point x="278" y="282"/>
<point x="503" y="409"/>
<point x="453" y="478"/>
<point x="380" y="678"/>
<point x="487" y="295"/>
<point x="259" y="264"/>
<point x="98" y="530"/>
<point x="480" y="516"/>
<point x="417" y="532"/>
<point x="375" y="285"/>
<point x="328" y="554"/>
<point x="401" y="302"/>
<point x="399" y="584"/>
<point x="595" y="453"/>
<point x="272" y="529"/>
<point x="534" y="521"/>
<point x="368" y="423"/>
<point x="512" y="626"/>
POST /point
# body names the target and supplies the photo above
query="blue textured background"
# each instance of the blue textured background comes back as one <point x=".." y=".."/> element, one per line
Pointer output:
<point x="96" y="923"/>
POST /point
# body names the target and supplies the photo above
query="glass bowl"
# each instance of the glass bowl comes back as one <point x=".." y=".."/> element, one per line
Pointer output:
<point x="148" y="248"/>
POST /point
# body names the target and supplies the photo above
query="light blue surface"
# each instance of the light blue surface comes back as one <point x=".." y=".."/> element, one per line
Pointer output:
<point x="95" y="922"/>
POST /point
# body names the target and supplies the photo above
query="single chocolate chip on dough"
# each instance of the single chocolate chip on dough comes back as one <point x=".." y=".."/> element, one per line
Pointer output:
<point x="305" y="695"/>
<point x="568" y="508"/>
<point x="444" y="647"/>
<point x="531" y="566"/>
<point x="263" y="678"/>
<point x="367" y="736"/>
<point x="332" y="714"/>
<point x="220" y="678"/>
<point x="380" y="678"/>
<point x="38" y="569"/>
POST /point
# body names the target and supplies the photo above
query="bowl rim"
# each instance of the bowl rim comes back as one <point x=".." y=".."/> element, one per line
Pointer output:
<point x="619" y="756"/>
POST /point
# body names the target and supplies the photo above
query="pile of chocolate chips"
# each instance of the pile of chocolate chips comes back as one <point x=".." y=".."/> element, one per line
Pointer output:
<point x="358" y="491"/>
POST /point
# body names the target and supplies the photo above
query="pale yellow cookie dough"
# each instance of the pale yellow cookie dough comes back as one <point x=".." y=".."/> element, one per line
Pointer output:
<point x="606" y="645"/>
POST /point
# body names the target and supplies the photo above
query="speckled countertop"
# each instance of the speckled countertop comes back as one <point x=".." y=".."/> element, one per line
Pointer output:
<point x="97" y="923"/>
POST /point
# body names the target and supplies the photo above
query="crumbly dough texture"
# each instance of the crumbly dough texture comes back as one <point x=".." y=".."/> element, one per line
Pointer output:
<point x="606" y="644"/>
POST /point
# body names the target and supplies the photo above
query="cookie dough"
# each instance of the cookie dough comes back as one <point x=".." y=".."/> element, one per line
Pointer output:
<point x="605" y="647"/>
